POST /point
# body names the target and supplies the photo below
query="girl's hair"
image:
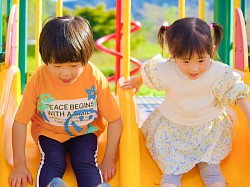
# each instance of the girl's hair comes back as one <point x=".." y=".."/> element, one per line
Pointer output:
<point x="187" y="36"/>
<point x="66" y="39"/>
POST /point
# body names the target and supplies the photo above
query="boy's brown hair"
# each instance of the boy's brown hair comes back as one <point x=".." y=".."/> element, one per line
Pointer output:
<point x="66" y="39"/>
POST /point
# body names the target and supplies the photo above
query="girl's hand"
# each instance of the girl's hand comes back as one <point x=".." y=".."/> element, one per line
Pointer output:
<point x="20" y="176"/>
<point x="108" y="169"/>
<point x="133" y="82"/>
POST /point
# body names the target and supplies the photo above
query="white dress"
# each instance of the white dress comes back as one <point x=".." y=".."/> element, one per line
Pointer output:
<point x="175" y="143"/>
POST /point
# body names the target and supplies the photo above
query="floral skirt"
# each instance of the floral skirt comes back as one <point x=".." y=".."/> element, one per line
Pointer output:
<point x="178" y="148"/>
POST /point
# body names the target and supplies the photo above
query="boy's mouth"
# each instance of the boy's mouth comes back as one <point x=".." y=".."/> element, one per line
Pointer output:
<point x="66" y="80"/>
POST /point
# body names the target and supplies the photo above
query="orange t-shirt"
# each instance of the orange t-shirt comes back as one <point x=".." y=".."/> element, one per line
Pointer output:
<point x="61" y="112"/>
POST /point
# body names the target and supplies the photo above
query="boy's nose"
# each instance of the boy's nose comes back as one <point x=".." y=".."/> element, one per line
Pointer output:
<point x="65" y="71"/>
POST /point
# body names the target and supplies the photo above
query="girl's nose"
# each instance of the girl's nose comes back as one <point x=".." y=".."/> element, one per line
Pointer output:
<point x="195" y="68"/>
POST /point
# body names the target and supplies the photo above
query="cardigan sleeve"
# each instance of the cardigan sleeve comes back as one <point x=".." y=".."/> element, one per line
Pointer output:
<point x="230" y="88"/>
<point x="151" y="71"/>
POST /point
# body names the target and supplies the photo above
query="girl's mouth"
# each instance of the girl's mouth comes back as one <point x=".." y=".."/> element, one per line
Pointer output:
<point x="193" y="75"/>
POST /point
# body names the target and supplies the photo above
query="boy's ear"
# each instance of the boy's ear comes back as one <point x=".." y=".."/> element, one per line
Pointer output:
<point x="170" y="51"/>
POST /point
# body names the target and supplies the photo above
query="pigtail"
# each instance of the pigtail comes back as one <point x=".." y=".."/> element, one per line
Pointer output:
<point x="217" y="34"/>
<point x="162" y="36"/>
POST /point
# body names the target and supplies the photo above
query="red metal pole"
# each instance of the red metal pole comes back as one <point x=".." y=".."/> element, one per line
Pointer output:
<point x="118" y="36"/>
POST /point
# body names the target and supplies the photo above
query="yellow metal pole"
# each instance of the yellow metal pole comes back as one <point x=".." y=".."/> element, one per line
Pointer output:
<point x="201" y="9"/>
<point x="126" y="39"/>
<point x="129" y="145"/>
<point x="38" y="30"/>
<point x="59" y="6"/>
<point x="181" y="8"/>
<point x="236" y="5"/>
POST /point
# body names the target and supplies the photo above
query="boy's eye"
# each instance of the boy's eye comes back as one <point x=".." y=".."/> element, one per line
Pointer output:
<point x="73" y="65"/>
<point x="185" y="61"/>
<point x="200" y="61"/>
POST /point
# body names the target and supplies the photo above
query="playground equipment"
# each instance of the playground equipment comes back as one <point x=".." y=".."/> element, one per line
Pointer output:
<point x="10" y="92"/>
<point x="135" y="167"/>
<point x="100" y="41"/>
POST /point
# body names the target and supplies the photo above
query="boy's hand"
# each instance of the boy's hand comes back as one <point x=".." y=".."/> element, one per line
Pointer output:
<point x="108" y="164"/>
<point x="20" y="176"/>
<point x="108" y="169"/>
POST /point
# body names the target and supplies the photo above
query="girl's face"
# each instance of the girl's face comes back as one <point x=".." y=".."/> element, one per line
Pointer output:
<point x="67" y="72"/>
<point x="194" y="67"/>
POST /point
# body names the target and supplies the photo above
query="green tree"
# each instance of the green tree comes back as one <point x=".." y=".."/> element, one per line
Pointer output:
<point x="101" y="20"/>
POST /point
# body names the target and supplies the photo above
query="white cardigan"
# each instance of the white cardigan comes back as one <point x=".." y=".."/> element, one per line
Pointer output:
<point x="187" y="102"/>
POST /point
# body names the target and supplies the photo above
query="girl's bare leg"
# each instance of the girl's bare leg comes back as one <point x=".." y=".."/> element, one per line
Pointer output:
<point x="218" y="184"/>
<point x="168" y="185"/>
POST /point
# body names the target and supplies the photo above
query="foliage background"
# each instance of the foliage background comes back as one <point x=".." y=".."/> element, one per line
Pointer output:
<point x="102" y="14"/>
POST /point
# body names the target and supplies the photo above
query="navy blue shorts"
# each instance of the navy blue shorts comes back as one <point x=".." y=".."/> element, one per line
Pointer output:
<point x="83" y="157"/>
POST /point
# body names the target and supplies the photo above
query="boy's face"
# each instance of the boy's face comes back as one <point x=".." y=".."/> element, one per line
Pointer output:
<point x="67" y="72"/>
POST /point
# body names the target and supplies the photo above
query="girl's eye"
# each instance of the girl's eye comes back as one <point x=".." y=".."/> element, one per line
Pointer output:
<point x="201" y="61"/>
<point x="73" y="66"/>
<point x="57" y="66"/>
<point x="185" y="61"/>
